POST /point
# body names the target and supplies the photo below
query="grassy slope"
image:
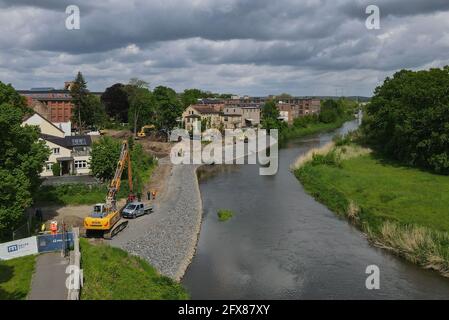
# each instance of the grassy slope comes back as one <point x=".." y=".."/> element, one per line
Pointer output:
<point x="402" y="209"/>
<point x="402" y="194"/>
<point x="111" y="273"/>
<point x="295" y="132"/>
<point x="15" y="277"/>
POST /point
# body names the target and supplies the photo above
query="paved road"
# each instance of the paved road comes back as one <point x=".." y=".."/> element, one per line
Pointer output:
<point x="167" y="238"/>
<point x="49" y="278"/>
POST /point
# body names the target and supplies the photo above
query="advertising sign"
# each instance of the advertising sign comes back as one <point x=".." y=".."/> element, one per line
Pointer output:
<point x="18" y="248"/>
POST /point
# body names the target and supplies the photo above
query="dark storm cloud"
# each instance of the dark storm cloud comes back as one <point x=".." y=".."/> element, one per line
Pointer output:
<point x="222" y="45"/>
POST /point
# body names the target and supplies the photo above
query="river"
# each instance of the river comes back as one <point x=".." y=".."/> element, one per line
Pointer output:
<point x="282" y="244"/>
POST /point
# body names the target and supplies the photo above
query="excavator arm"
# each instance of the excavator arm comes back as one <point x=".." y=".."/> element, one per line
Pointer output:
<point x="114" y="186"/>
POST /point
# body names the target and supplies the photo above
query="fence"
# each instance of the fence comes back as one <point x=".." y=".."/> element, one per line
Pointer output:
<point x="75" y="262"/>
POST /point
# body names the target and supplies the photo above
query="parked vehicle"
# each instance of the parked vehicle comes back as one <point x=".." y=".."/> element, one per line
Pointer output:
<point x="136" y="209"/>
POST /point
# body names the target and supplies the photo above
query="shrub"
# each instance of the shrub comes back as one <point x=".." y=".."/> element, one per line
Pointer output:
<point x="56" y="169"/>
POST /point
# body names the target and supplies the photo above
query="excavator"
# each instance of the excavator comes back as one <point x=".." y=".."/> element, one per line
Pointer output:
<point x="106" y="217"/>
<point x="142" y="133"/>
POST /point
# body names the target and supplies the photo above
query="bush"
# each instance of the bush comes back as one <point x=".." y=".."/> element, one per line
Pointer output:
<point x="56" y="169"/>
<point x="331" y="158"/>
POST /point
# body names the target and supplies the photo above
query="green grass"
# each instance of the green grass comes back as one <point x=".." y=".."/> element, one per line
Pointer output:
<point x="79" y="194"/>
<point x="15" y="277"/>
<point x="386" y="191"/>
<point x="401" y="209"/>
<point x="112" y="274"/>
<point x="224" y="215"/>
<point x="297" y="132"/>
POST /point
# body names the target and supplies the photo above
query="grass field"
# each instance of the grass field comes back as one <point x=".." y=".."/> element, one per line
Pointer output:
<point x="113" y="274"/>
<point x="15" y="277"/>
<point x="400" y="208"/>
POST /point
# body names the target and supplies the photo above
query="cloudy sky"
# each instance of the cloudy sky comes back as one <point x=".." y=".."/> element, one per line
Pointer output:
<point x="256" y="47"/>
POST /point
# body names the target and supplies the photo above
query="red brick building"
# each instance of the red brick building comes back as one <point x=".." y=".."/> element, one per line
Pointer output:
<point x="57" y="103"/>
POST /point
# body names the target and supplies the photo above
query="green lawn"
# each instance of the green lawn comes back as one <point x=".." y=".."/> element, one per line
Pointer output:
<point x="402" y="194"/>
<point x="113" y="274"/>
<point x="15" y="277"/>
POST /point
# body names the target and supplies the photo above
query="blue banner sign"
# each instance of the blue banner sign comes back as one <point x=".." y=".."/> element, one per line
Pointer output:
<point x="47" y="243"/>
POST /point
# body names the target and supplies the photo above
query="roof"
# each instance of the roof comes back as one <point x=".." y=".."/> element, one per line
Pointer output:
<point x="45" y="119"/>
<point x="69" y="141"/>
<point x="205" y="109"/>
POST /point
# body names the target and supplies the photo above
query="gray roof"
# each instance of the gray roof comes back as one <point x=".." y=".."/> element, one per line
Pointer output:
<point x="69" y="141"/>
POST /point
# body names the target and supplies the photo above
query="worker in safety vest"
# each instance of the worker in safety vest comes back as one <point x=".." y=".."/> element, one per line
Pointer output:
<point x="54" y="227"/>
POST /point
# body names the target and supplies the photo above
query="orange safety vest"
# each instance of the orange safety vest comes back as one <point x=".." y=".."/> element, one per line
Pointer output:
<point x="54" y="227"/>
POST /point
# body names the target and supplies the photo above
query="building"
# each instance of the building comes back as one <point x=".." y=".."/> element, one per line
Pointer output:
<point x="209" y="114"/>
<point x="54" y="104"/>
<point x="71" y="152"/>
<point x="249" y="115"/>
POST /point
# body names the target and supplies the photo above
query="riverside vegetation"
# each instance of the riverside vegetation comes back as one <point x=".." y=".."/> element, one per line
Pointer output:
<point x="400" y="208"/>
<point x="397" y="190"/>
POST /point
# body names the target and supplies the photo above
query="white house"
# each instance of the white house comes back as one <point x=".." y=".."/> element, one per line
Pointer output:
<point x="71" y="152"/>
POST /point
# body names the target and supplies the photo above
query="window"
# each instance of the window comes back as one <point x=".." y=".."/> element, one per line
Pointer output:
<point x="56" y="150"/>
<point x="80" y="164"/>
<point x="49" y="166"/>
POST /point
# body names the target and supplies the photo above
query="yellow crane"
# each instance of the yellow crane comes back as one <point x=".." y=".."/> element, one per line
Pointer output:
<point x="106" y="216"/>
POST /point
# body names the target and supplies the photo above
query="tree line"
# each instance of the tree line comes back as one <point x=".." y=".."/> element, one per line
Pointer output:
<point x="408" y="119"/>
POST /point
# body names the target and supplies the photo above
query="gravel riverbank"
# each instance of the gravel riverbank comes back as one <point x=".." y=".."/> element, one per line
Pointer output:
<point x="167" y="238"/>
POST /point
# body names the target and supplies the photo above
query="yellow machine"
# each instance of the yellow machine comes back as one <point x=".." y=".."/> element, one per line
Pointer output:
<point x="141" y="133"/>
<point x="106" y="217"/>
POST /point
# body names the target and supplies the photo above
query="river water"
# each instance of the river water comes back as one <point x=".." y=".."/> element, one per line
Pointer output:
<point x="282" y="244"/>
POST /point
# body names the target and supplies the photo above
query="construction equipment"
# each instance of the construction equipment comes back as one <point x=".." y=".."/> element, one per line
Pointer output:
<point x="106" y="217"/>
<point x="142" y="133"/>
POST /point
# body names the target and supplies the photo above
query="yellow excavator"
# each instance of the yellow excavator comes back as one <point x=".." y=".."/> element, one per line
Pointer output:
<point x="106" y="217"/>
<point x="142" y="133"/>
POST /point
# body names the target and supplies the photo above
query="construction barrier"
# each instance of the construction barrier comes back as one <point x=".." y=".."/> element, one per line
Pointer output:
<point x="48" y="243"/>
<point x="18" y="248"/>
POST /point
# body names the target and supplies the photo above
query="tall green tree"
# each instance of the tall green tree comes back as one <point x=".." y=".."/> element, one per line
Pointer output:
<point x="22" y="157"/>
<point x="408" y="118"/>
<point x="141" y="104"/>
<point x="79" y="95"/>
<point x="191" y="96"/>
<point x="168" y="108"/>
<point x="115" y="100"/>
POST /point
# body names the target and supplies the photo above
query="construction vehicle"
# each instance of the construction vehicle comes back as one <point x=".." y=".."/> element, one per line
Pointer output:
<point x="142" y="133"/>
<point x="106" y="217"/>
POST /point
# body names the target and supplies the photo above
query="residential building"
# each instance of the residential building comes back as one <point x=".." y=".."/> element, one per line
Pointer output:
<point x="71" y="152"/>
<point x="209" y="114"/>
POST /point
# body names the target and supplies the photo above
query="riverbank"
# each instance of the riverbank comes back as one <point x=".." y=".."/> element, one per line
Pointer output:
<point x="401" y="209"/>
<point x="113" y="274"/>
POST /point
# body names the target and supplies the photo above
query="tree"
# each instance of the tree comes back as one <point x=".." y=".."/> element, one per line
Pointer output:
<point x="168" y="108"/>
<point x="330" y="111"/>
<point x="270" y="116"/>
<point x="104" y="156"/>
<point x="115" y="101"/>
<point x="94" y="114"/>
<point x="141" y="104"/>
<point x="79" y="95"/>
<point x="191" y="96"/>
<point x="22" y="157"/>
<point x="408" y="118"/>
